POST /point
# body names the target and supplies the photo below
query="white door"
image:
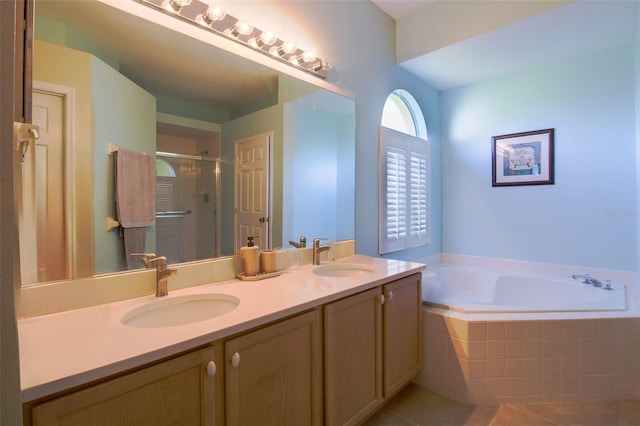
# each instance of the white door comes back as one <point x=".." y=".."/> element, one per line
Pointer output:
<point x="252" y="190"/>
<point x="50" y="218"/>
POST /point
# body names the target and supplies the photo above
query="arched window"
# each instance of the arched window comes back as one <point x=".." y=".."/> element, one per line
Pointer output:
<point x="401" y="112"/>
<point x="404" y="202"/>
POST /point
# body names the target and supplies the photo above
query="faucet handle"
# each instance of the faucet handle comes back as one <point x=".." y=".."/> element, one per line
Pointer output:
<point x="147" y="258"/>
<point x="316" y="241"/>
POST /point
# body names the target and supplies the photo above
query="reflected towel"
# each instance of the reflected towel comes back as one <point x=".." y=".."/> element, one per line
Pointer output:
<point x="134" y="242"/>
<point x="135" y="189"/>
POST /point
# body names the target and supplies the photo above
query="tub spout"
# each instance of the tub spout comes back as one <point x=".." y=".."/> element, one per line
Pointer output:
<point x="588" y="279"/>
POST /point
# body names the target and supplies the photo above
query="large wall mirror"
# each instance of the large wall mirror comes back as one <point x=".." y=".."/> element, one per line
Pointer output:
<point x="107" y="80"/>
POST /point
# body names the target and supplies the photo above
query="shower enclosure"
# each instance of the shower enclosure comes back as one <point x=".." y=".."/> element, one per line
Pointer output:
<point x="187" y="204"/>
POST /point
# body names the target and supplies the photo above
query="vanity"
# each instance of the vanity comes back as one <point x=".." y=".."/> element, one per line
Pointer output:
<point x="325" y="344"/>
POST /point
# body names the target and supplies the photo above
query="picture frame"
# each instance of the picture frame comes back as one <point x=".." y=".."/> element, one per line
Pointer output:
<point x="523" y="158"/>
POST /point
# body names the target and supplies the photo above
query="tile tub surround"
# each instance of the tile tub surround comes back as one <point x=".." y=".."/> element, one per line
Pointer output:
<point x="532" y="361"/>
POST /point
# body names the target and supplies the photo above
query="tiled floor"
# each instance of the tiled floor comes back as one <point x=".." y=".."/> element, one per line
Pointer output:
<point x="417" y="406"/>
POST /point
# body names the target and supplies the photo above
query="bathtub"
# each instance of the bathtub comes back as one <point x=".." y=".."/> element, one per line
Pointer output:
<point x="497" y="337"/>
<point x="476" y="290"/>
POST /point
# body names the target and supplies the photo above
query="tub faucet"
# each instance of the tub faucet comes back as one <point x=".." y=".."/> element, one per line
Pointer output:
<point x="162" y="272"/>
<point x="301" y="244"/>
<point x="317" y="250"/>
<point x="588" y="279"/>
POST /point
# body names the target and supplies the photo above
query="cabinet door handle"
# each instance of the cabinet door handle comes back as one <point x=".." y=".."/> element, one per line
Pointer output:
<point x="390" y="295"/>
<point x="235" y="360"/>
<point x="382" y="299"/>
<point x="211" y="369"/>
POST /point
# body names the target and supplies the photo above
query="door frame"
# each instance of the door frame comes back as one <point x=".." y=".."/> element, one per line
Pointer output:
<point x="269" y="191"/>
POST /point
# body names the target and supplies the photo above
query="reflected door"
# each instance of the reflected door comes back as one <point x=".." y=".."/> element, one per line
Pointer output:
<point x="52" y="245"/>
<point x="252" y="190"/>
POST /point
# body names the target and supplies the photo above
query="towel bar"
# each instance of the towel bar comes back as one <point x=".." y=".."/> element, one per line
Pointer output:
<point x="112" y="223"/>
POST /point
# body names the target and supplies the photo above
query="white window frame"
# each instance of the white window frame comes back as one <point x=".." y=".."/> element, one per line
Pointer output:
<point x="404" y="213"/>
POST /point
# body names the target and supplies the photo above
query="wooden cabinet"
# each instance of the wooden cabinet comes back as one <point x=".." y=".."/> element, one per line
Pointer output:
<point x="274" y="375"/>
<point x="402" y="328"/>
<point x="353" y="357"/>
<point x="180" y="391"/>
<point x="372" y="348"/>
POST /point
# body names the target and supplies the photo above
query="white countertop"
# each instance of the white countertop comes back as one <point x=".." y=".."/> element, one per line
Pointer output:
<point x="71" y="348"/>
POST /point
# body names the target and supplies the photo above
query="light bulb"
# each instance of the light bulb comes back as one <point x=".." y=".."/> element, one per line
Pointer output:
<point x="213" y="13"/>
<point x="308" y="56"/>
<point x="285" y="48"/>
<point x="242" y="28"/>
<point x="175" y="6"/>
<point x="267" y="38"/>
<point x="288" y="47"/>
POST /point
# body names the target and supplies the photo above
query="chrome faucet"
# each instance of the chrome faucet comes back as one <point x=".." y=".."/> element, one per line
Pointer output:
<point x="162" y="272"/>
<point x="588" y="279"/>
<point x="301" y="244"/>
<point x="317" y="250"/>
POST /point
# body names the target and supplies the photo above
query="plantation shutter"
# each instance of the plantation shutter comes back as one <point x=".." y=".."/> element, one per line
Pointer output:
<point x="418" y="193"/>
<point x="403" y="191"/>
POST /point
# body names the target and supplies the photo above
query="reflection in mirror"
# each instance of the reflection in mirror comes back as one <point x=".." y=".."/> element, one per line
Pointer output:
<point x="104" y="77"/>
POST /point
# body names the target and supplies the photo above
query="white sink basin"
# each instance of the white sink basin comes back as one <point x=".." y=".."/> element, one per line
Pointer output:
<point x="342" y="270"/>
<point x="180" y="310"/>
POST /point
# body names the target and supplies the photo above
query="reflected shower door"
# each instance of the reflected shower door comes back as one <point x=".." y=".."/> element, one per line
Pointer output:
<point x="187" y="195"/>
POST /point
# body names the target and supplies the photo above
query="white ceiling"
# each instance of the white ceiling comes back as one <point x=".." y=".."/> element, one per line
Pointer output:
<point x="575" y="29"/>
<point x="398" y="9"/>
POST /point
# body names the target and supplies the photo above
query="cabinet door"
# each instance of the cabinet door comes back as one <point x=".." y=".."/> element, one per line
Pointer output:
<point x="274" y="375"/>
<point x="402" y="332"/>
<point x="353" y="357"/>
<point x="174" y="392"/>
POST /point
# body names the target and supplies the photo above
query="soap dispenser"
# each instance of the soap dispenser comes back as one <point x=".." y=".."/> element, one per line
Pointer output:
<point x="250" y="258"/>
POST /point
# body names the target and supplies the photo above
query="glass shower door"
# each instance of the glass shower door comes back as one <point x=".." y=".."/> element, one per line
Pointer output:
<point x="187" y="196"/>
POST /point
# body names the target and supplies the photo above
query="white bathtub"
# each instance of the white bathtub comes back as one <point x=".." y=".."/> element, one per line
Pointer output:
<point x="476" y="290"/>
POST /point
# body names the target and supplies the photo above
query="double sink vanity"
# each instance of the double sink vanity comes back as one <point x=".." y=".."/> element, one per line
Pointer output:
<point x="324" y="344"/>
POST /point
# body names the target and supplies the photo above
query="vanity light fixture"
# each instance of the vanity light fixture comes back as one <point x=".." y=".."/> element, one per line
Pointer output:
<point x="211" y="17"/>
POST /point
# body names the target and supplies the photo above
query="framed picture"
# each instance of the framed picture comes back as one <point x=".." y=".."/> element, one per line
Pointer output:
<point x="523" y="158"/>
